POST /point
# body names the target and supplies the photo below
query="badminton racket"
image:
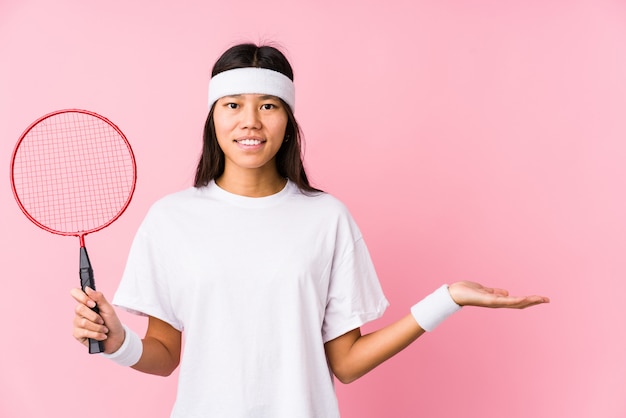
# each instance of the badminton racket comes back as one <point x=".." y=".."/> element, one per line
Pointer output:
<point x="73" y="173"/>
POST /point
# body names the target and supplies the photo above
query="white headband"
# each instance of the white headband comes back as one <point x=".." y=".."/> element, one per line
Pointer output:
<point x="252" y="80"/>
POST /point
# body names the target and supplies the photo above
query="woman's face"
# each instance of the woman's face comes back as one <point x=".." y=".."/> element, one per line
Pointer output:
<point x="250" y="130"/>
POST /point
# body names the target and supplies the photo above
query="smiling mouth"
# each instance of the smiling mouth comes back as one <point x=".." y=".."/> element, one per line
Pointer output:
<point x="248" y="141"/>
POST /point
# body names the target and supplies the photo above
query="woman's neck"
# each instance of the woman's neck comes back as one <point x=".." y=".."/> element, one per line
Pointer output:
<point x="251" y="183"/>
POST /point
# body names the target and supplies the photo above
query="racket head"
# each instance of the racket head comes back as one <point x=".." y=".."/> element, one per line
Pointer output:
<point x="73" y="172"/>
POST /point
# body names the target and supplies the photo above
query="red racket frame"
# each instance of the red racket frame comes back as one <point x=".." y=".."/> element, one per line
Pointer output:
<point x="79" y="234"/>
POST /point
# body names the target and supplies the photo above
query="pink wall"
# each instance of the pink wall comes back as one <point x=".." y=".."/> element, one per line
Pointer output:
<point x="481" y="140"/>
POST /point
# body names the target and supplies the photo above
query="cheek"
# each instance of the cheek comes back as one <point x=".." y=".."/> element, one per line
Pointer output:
<point x="221" y="130"/>
<point x="279" y="127"/>
<point x="280" y="132"/>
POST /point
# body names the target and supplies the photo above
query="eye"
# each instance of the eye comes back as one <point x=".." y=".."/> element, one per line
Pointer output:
<point x="268" y="106"/>
<point x="232" y="105"/>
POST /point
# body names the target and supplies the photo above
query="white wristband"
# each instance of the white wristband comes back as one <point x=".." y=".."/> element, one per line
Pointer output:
<point x="434" y="309"/>
<point x="129" y="352"/>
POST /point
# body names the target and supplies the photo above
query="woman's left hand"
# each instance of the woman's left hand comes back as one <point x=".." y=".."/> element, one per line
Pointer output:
<point x="467" y="293"/>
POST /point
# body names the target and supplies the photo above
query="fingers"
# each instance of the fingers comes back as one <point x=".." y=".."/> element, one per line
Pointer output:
<point x="98" y="297"/>
<point x="519" y="302"/>
<point x="504" y="300"/>
<point x="103" y="325"/>
<point x="85" y="328"/>
<point x="82" y="297"/>
<point x="87" y="322"/>
<point x="533" y="300"/>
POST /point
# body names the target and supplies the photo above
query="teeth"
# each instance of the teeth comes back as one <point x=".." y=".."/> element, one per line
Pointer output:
<point x="250" y="141"/>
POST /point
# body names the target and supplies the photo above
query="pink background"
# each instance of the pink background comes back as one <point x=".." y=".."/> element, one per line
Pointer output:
<point x="481" y="140"/>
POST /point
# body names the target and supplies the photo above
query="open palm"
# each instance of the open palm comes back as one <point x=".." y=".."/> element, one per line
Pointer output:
<point x="466" y="293"/>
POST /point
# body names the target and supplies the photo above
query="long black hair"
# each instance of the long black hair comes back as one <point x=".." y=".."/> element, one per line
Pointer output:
<point x="289" y="157"/>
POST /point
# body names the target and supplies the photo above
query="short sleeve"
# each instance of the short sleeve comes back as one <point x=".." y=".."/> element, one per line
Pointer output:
<point x="355" y="296"/>
<point x="144" y="285"/>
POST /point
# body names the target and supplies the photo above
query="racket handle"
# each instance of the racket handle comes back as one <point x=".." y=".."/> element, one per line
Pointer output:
<point x="86" y="280"/>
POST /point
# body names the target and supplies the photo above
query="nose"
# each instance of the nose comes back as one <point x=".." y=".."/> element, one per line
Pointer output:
<point x="250" y="118"/>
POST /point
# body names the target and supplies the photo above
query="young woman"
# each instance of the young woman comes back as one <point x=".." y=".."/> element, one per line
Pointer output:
<point x="268" y="277"/>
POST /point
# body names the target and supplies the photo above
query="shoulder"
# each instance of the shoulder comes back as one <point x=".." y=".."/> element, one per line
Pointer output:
<point x="322" y="202"/>
<point x="171" y="206"/>
<point x="327" y="209"/>
<point x="318" y="198"/>
<point x="175" y="199"/>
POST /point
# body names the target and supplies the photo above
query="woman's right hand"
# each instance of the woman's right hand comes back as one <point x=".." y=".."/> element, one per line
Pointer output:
<point x="105" y="326"/>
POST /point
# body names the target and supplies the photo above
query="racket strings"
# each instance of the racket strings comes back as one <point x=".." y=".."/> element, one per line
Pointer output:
<point x="73" y="172"/>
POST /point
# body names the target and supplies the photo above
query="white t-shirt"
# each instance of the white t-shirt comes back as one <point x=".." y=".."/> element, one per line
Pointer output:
<point x="258" y="285"/>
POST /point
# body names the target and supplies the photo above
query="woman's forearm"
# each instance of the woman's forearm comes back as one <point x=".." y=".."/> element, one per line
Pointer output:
<point x="352" y="355"/>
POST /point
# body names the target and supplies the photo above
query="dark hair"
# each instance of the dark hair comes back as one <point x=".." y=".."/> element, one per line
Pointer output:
<point x="289" y="157"/>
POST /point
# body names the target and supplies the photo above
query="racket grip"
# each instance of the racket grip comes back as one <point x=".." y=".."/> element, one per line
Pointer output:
<point x="86" y="280"/>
